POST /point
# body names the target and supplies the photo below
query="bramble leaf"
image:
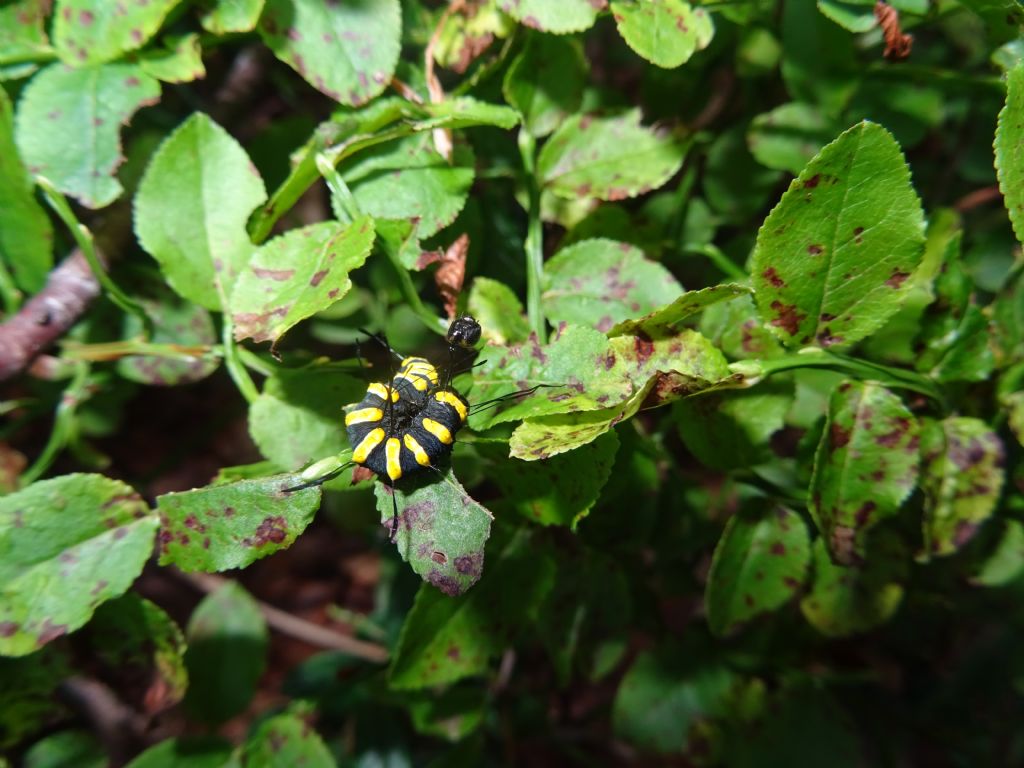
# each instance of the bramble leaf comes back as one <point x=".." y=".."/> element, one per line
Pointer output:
<point x="86" y="32"/>
<point x="560" y="18"/>
<point x="833" y="258"/>
<point x="499" y="312"/>
<point x="284" y="741"/>
<point x="68" y="545"/>
<point x="192" y="207"/>
<point x="1009" y="148"/>
<point x="660" y="322"/>
<point x="229" y="526"/>
<point x="545" y="82"/>
<point x="232" y="16"/>
<point x="665" y="32"/>
<point x="69" y="124"/>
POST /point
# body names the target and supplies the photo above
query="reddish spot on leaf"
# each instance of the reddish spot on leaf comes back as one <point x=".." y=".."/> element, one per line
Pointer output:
<point x="897" y="278"/>
<point x="644" y="348"/>
<point x="279" y="275"/>
<point x="439" y="557"/>
<point x="814" y="249"/>
<point x="317" y="278"/>
<point x="857" y="232"/>
<point x="812" y="182"/>
<point x="864" y="513"/>
<point x="8" y="628"/>
<point x="839" y="436"/>
<point x="86" y="17"/>
<point x="778" y="548"/>
<point x="772" y="276"/>
<point x="787" y="317"/>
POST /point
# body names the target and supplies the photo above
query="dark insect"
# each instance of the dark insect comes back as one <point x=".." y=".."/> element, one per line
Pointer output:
<point x="410" y="423"/>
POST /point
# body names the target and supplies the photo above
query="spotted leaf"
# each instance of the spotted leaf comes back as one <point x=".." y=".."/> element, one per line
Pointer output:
<point x="865" y="467"/>
<point x="284" y="741"/>
<point x="86" y="32"/>
<point x="665" y="32"/>
<point x="230" y="526"/>
<point x="661" y="321"/>
<point x="561" y="18"/>
<point x="296" y="275"/>
<point x="833" y="258"/>
<point x="1009" y="147"/>
<point x="69" y="544"/>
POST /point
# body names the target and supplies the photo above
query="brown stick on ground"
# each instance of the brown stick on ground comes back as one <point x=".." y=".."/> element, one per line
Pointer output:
<point x="47" y="315"/>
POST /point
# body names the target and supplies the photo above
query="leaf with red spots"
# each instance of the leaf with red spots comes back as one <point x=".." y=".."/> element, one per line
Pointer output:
<point x="661" y="321"/>
<point x="601" y="283"/>
<point x="559" y="491"/>
<point x="578" y="369"/>
<point x="865" y="467"/>
<point x="441" y="529"/>
<point x="286" y="741"/>
<point x="23" y="31"/>
<point x="608" y="158"/>
<point x="832" y="259"/>
<point x="347" y="51"/>
<point x="658" y="372"/>
<point x="26" y="237"/>
<point x="179" y="60"/>
<point x="230" y="526"/>
<point x="227" y="653"/>
<point x="1009" y="147"/>
<point x="545" y="81"/>
<point x="445" y="639"/>
<point x="845" y="600"/>
<point x="560" y="18"/>
<point x="231" y="16"/>
<point x="69" y="124"/>
<point x="665" y="32"/>
<point x="499" y="312"/>
<point x="408" y="179"/>
<point x="760" y="564"/>
<point x="131" y="640"/>
<point x="736" y="328"/>
<point x="70" y="544"/>
<point x="191" y="210"/>
<point x="296" y="275"/>
<point x="962" y="478"/>
<point x="87" y="32"/>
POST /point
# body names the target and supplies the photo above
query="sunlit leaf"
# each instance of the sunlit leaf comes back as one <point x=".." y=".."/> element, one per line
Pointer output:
<point x="560" y="18"/>
<point x="86" y="32"/>
<point x="284" y="741"/>
<point x="665" y="32"/>
<point x="1009" y="148"/>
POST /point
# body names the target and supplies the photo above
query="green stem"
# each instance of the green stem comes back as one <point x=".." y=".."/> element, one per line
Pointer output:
<point x="256" y="363"/>
<point x="233" y="361"/>
<point x="117" y="349"/>
<point x="715" y="256"/>
<point x="534" y="245"/>
<point x="9" y="292"/>
<point x="87" y="245"/>
<point x="63" y="425"/>
<point x="409" y="293"/>
<point x="892" y="377"/>
<point x="344" y="200"/>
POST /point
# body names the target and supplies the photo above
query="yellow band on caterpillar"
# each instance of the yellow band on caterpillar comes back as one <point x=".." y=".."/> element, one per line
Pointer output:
<point x="392" y="452"/>
<point x="381" y="391"/>
<point x="367" y="444"/>
<point x="416" y="450"/>
<point x="438" y="430"/>
<point x="417" y="381"/>
<point x="444" y="396"/>
<point x="363" y="415"/>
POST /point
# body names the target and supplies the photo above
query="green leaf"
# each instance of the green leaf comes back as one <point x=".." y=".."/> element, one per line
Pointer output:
<point x="445" y="639"/>
<point x="441" y="529"/>
<point x="285" y="741"/>
<point x="561" y="18"/>
<point x="760" y="564"/>
<point x="66" y="748"/>
<point x="865" y="467"/>
<point x="26" y="237"/>
<point x="658" y="372"/>
<point x="599" y="283"/>
<point x="661" y="321"/>
<point x="610" y="158"/>
<point x="559" y="491"/>
<point x="664" y="696"/>
<point x="199" y="175"/>
<point x="86" y="32"/>
<point x="69" y="123"/>
<point x="67" y="545"/>
<point x="296" y="275"/>
<point x="347" y="51"/>
<point x="175" y="322"/>
<point x="181" y="61"/>
<point x="22" y="31"/>
<point x="665" y="32"/>
<point x="845" y="600"/>
<point x="1006" y="563"/>
<point x="450" y="715"/>
<point x="818" y="63"/>
<point x="576" y="369"/>
<point x="188" y="752"/>
<point x="736" y="186"/>
<point x="789" y="136"/>
<point x="133" y="640"/>
<point x="731" y="429"/>
<point x="229" y="526"/>
<point x="27" y="697"/>
<point x="232" y="16"/>
<point x="465" y="37"/>
<point x="226" y="656"/>
<point x="736" y="329"/>
<point x="466" y="112"/>
<point x="298" y="417"/>
<point x="545" y="82"/>
<point x="408" y="179"/>
<point x="1009" y="149"/>
<point x="962" y="477"/>
<point x="499" y="312"/>
<point x="833" y="258"/>
<point x="852" y="16"/>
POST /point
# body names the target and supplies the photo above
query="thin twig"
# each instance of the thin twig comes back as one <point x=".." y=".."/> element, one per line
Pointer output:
<point x="977" y="198"/>
<point x="300" y="629"/>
